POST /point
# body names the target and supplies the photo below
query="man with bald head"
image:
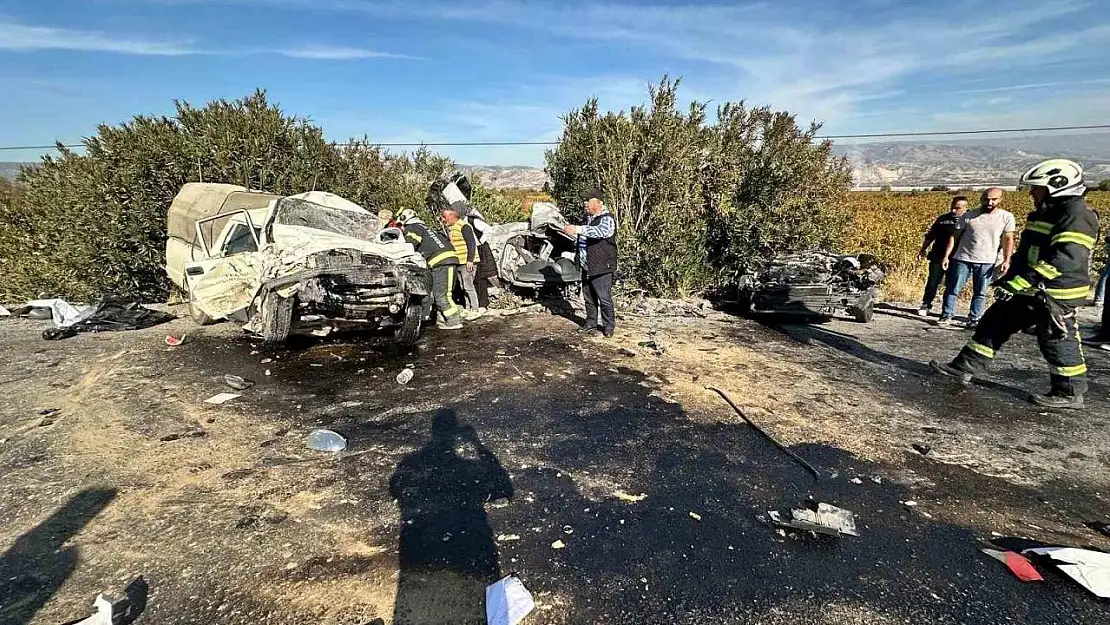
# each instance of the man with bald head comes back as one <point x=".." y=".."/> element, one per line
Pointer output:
<point x="976" y="253"/>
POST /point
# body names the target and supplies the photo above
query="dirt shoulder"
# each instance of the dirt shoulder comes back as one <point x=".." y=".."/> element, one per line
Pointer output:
<point x="516" y="433"/>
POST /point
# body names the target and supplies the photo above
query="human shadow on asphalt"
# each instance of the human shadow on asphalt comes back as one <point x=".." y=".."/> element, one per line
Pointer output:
<point x="447" y="553"/>
<point x="852" y="346"/>
<point x="39" y="562"/>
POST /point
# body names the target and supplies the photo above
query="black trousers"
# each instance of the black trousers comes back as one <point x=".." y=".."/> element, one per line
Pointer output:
<point x="1006" y="318"/>
<point x="597" y="291"/>
<point x="932" y="285"/>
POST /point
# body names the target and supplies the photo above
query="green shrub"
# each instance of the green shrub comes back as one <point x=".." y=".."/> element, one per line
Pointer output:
<point x="693" y="199"/>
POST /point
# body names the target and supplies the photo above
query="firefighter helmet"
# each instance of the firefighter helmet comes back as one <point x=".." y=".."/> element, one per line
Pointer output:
<point x="1057" y="174"/>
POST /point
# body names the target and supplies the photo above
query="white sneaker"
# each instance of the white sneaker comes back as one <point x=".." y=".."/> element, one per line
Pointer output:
<point x="922" y="312"/>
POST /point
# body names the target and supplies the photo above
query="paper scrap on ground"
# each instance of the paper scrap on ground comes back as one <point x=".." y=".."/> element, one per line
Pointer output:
<point x="222" y="398"/>
<point x="508" y="602"/>
<point x="625" y="497"/>
<point x="1090" y="568"/>
<point x="1018" y="564"/>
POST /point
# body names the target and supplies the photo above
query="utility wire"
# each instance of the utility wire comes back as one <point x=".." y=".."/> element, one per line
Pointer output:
<point x="877" y="135"/>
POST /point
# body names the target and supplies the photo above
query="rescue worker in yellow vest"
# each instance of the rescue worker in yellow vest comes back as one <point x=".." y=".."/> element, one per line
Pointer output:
<point x="1048" y="278"/>
<point x="443" y="262"/>
<point x="465" y="243"/>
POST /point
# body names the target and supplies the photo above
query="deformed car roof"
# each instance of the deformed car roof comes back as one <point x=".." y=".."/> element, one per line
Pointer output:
<point x="200" y="200"/>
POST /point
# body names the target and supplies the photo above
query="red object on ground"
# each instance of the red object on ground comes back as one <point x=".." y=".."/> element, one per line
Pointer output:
<point x="1018" y="564"/>
<point x="174" y="341"/>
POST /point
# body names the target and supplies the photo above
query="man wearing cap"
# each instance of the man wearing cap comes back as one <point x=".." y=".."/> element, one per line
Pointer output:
<point x="597" y="255"/>
<point x="442" y="260"/>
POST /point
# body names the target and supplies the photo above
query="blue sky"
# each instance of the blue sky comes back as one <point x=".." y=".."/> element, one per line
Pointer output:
<point x="491" y="70"/>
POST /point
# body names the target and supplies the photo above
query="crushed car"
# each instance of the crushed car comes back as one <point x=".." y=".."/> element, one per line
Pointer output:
<point x="311" y="263"/>
<point x="534" y="254"/>
<point x="812" y="284"/>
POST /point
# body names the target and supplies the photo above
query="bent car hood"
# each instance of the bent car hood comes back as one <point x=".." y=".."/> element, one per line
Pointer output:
<point x="233" y="284"/>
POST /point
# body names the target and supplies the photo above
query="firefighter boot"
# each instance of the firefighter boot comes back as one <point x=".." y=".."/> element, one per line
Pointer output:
<point x="1052" y="399"/>
<point x="964" y="377"/>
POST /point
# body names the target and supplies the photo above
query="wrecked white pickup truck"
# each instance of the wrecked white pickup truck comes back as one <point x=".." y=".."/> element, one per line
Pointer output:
<point x="308" y="263"/>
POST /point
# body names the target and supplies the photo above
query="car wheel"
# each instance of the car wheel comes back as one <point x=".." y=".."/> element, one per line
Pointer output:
<point x="199" y="317"/>
<point x="863" y="314"/>
<point x="277" y="318"/>
<point x="409" y="332"/>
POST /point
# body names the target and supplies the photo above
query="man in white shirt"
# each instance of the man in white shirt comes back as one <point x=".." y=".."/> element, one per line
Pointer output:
<point x="975" y="254"/>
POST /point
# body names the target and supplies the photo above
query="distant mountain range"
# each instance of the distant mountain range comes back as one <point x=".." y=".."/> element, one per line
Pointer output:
<point x="971" y="163"/>
<point x="978" y="162"/>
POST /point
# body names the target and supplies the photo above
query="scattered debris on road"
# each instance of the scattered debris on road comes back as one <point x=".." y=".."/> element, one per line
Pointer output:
<point x="176" y="436"/>
<point x="695" y="516"/>
<point x="625" y="497"/>
<point x="222" y="398"/>
<point x="824" y="519"/>
<point x="1091" y="569"/>
<point x="922" y="449"/>
<point x="4" y="312"/>
<point x="1018" y="564"/>
<point x="796" y="457"/>
<point x="558" y="544"/>
<point x="405" y="376"/>
<point x="508" y="602"/>
<point x="174" y="341"/>
<point x="111" y="314"/>
<point x="111" y="610"/>
<point x="1101" y="528"/>
<point x="237" y="382"/>
<point x="326" y="440"/>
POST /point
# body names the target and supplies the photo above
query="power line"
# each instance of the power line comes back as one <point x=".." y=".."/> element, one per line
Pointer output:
<point x="877" y="135"/>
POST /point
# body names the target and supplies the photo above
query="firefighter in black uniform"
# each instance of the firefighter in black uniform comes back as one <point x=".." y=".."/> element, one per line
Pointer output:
<point x="1048" y="279"/>
<point x="443" y="262"/>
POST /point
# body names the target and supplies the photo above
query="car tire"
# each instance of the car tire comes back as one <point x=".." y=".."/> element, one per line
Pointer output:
<point x="409" y="331"/>
<point x="277" y="318"/>
<point x="198" y="316"/>
<point x="863" y="314"/>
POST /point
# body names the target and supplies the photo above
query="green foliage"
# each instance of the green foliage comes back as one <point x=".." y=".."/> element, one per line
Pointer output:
<point x="81" y="226"/>
<point x="694" y="199"/>
<point x="1104" y="185"/>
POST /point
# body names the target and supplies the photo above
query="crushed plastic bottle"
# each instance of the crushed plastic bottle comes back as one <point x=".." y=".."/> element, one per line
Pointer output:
<point x="405" y="376"/>
<point x="326" y="440"/>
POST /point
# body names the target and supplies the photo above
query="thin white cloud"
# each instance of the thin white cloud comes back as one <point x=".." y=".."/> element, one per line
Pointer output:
<point x="336" y="53"/>
<point x="23" y="38"/>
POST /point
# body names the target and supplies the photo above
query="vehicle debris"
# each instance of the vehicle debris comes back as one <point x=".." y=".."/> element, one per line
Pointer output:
<point x="558" y="544"/>
<point x="505" y="538"/>
<point x="60" y="311"/>
<point x="695" y="516"/>
<point x="111" y="314"/>
<point x="508" y="602"/>
<point x="4" y="312"/>
<point x="922" y="449"/>
<point x="626" y="498"/>
<point x="326" y="440"/>
<point x="405" y="376"/>
<point x="1101" y="528"/>
<point x="1018" y="564"/>
<point x="174" y="341"/>
<point x="796" y="457"/>
<point x="821" y="519"/>
<point x="176" y="436"/>
<point x="815" y="284"/>
<point x="237" y="382"/>
<point x="221" y="398"/>
<point x="1091" y="569"/>
<point x="112" y="610"/>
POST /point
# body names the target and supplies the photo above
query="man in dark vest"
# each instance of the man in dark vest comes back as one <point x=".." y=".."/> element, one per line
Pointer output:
<point x="597" y="255"/>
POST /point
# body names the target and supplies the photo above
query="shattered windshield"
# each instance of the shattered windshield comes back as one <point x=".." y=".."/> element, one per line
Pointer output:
<point x="304" y="214"/>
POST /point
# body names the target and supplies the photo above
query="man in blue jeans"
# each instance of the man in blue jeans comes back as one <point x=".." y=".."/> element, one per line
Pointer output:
<point x="975" y="254"/>
<point x="940" y="233"/>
